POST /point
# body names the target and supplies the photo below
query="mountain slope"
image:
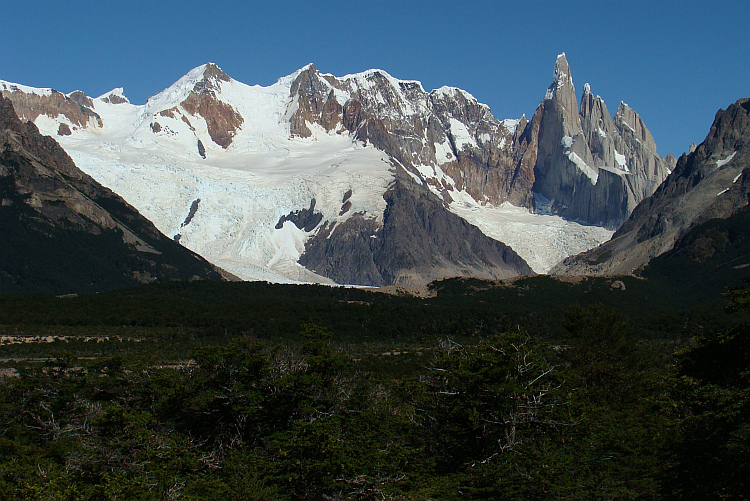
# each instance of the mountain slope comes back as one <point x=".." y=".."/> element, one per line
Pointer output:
<point x="62" y="232"/>
<point x="712" y="182"/>
<point x="706" y="260"/>
<point x="419" y="241"/>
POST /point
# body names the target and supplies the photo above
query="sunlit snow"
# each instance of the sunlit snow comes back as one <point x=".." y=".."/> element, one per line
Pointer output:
<point x="541" y="240"/>
<point x="461" y="135"/>
<point x="244" y="190"/>
<point x="721" y="163"/>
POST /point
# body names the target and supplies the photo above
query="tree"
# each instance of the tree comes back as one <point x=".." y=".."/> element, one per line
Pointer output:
<point x="612" y="452"/>
<point x="711" y="456"/>
<point x="489" y="411"/>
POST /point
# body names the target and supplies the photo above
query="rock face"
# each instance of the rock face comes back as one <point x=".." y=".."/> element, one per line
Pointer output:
<point x="222" y="120"/>
<point x="445" y="131"/>
<point x="589" y="166"/>
<point x="418" y="241"/>
<point x="62" y="232"/>
<point x="76" y="108"/>
<point x="711" y="182"/>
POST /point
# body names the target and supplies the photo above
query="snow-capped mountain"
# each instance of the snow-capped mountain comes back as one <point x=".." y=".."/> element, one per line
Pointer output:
<point x="361" y="179"/>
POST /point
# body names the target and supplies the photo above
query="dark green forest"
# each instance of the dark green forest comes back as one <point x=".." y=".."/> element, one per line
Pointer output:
<point x="597" y="388"/>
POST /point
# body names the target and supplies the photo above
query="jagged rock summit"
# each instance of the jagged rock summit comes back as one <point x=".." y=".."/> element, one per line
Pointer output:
<point x="62" y="232"/>
<point x="590" y="166"/>
<point x="360" y="162"/>
<point x="713" y="181"/>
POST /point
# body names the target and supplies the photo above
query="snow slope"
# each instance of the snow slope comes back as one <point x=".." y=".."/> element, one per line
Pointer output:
<point x="244" y="190"/>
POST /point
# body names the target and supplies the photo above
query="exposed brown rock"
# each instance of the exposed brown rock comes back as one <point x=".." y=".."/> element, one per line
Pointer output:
<point x="214" y="74"/>
<point x="222" y="120"/>
<point x="81" y="99"/>
<point x="494" y="171"/>
<point x="185" y="119"/>
<point x="330" y="116"/>
<point x="63" y="130"/>
<point x="155" y="127"/>
<point x="299" y="120"/>
<point x="30" y="106"/>
<point x="169" y="113"/>
<point x="345" y="207"/>
<point x="115" y="99"/>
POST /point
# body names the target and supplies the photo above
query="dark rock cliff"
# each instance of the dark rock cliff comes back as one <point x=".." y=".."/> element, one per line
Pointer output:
<point x="419" y="241"/>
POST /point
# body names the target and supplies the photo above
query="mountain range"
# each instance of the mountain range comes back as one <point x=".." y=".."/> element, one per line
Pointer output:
<point x="364" y="179"/>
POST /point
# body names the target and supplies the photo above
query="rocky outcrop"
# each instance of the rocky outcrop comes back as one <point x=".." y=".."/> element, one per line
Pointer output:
<point x="29" y="105"/>
<point x="589" y="166"/>
<point x="305" y="219"/>
<point x="418" y="241"/>
<point x="222" y="120"/>
<point x="115" y="97"/>
<point x="711" y="182"/>
<point x="64" y="233"/>
<point x="63" y="130"/>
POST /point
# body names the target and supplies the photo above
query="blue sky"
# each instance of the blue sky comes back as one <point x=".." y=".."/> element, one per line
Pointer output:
<point x="674" y="62"/>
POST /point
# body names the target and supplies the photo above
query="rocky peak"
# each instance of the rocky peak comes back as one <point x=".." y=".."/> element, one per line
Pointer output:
<point x="222" y="120"/>
<point x="29" y="103"/>
<point x="729" y="134"/>
<point x="315" y="101"/>
<point x="213" y="72"/>
<point x="210" y="83"/>
<point x="459" y="104"/>
<point x="597" y="124"/>
<point x="590" y="166"/>
<point x="115" y="96"/>
<point x="711" y="182"/>
<point x="81" y="99"/>
<point x="630" y="124"/>
<point x="562" y="83"/>
<point x="309" y="83"/>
